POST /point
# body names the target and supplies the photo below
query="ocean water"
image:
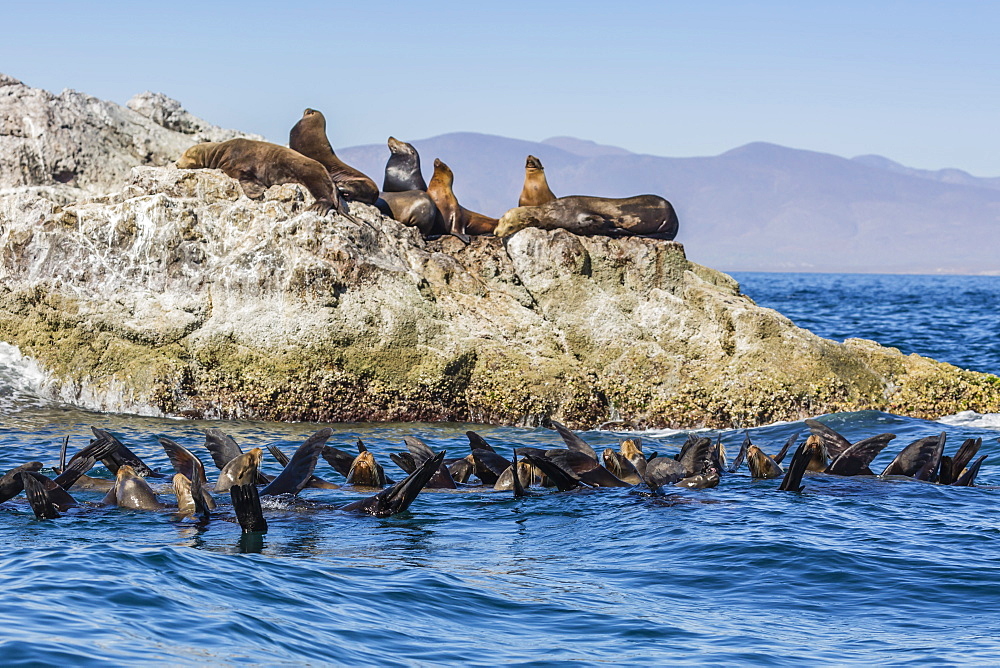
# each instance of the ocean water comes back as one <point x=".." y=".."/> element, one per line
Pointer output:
<point x="851" y="571"/>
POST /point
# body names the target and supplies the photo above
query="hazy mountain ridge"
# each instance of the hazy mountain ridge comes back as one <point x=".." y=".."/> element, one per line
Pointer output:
<point x="757" y="207"/>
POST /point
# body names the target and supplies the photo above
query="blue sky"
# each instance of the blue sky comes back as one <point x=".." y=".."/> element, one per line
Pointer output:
<point x="918" y="82"/>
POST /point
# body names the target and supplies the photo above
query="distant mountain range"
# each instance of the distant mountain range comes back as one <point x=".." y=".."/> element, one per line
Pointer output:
<point x="760" y="207"/>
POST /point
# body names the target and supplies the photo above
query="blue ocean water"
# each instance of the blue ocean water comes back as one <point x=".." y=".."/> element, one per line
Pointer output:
<point x="850" y="571"/>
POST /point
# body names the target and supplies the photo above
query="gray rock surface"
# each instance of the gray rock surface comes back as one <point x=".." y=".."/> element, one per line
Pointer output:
<point x="76" y="140"/>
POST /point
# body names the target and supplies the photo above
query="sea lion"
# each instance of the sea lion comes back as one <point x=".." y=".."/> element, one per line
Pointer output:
<point x="258" y="165"/>
<point x="402" y="170"/>
<point x="398" y="498"/>
<point x="365" y="471"/>
<point x="308" y="137"/>
<point x="237" y="470"/>
<point x="919" y="459"/>
<point x="761" y="466"/>
<point x="643" y="215"/>
<point x="535" y="191"/>
<point x="39" y="498"/>
<point x="10" y="482"/>
<point x="455" y="218"/>
<point x="414" y="208"/>
<point x="132" y="491"/>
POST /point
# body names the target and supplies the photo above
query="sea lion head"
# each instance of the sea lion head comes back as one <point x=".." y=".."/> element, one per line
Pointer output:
<point x="400" y="147"/>
<point x="365" y="471"/>
<point x="196" y="156"/>
<point x="516" y="219"/>
<point x="443" y="173"/>
<point x="533" y="163"/>
<point x="757" y="462"/>
<point x="314" y="117"/>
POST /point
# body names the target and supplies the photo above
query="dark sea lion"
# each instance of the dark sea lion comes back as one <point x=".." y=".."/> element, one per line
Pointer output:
<point x="308" y="137"/>
<point x="855" y="459"/>
<point x="398" y="498"/>
<point x="968" y="478"/>
<point x="131" y="491"/>
<point x="122" y="455"/>
<point x="297" y="472"/>
<point x="586" y="467"/>
<point x="951" y="467"/>
<point x="535" y="191"/>
<point x="919" y="459"/>
<point x="10" y="482"/>
<point x="56" y="494"/>
<point x="419" y="452"/>
<point x="313" y="482"/>
<point x="761" y="466"/>
<point x="804" y="455"/>
<point x="402" y="170"/>
<point x="413" y="208"/>
<point x="698" y="455"/>
<point x="741" y="455"/>
<point x="258" y="165"/>
<point x="456" y="218"/>
<point x="462" y="469"/>
<point x="701" y="481"/>
<point x="663" y="471"/>
<point x="643" y="215"/>
<point x="38" y="497"/>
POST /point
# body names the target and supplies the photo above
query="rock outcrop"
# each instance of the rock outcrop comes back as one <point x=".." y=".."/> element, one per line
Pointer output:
<point x="78" y="141"/>
<point x="172" y="293"/>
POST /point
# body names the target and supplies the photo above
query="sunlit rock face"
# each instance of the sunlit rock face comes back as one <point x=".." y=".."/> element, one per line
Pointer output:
<point x="78" y="141"/>
<point x="172" y="293"/>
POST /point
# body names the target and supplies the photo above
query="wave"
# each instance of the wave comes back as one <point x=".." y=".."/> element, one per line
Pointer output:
<point x="23" y="382"/>
<point x="972" y="419"/>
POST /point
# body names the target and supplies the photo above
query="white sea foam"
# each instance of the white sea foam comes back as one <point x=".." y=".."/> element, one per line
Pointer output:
<point x="22" y="380"/>
<point x="972" y="419"/>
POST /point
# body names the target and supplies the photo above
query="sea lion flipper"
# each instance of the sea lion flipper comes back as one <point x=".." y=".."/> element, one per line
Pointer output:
<point x="84" y="460"/>
<point x="968" y="478"/>
<point x="246" y="503"/>
<point x="792" y="482"/>
<point x="341" y="461"/>
<point x="222" y="447"/>
<point x="778" y="458"/>
<point x="516" y="479"/>
<point x="477" y="442"/>
<point x="574" y="442"/>
<point x="38" y="498"/>
<point x="122" y="455"/>
<point x="741" y="455"/>
<point x="297" y="472"/>
<point x="855" y="459"/>
<point x="563" y="479"/>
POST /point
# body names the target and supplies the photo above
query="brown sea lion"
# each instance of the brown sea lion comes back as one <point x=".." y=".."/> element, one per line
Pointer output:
<point x="536" y="189"/>
<point x="308" y="137"/>
<point x="402" y="170"/>
<point x="258" y="165"/>
<point x="410" y="207"/>
<point x="642" y="215"/>
<point x="761" y="466"/>
<point x="456" y="218"/>
<point x="132" y="491"/>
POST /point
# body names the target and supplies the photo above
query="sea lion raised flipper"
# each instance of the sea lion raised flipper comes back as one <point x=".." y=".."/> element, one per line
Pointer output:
<point x="246" y="503"/>
<point x="60" y="497"/>
<point x="38" y="497"/>
<point x="855" y="460"/>
<point x="340" y="460"/>
<point x="83" y="461"/>
<point x="778" y="458"/>
<point x="574" y="442"/>
<point x="122" y="455"/>
<point x="314" y="481"/>
<point x="296" y="473"/>
<point x="222" y="447"/>
<point x="797" y="467"/>
<point x="515" y="479"/>
<point x="477" y="442"/>
<point x="564" y="480"/>
<point x="398" y="498"/>
<point x="188" y="465"/>
<point x="697" y="455"/>
<point x="421" y="452"/>
<point x="741" y="455"/>
<point x="965" y="453"/>
<point x="489" y="465"/>
<point x="916" y="456"/>
<point x="968" y="478"/>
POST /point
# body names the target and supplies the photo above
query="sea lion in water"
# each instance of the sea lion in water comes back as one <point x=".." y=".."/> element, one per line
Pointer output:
<point x="258" y="165"/>
<point x="402" y="170"/>
<point x="414" y="208"/>
<point x="761" y="466"/>
<point x="132" y="491"/>
<point x="308" y="137"/>
<point x="535" y="191"/>
<point x="456" y="218"/>
<point x="642" y="215"/>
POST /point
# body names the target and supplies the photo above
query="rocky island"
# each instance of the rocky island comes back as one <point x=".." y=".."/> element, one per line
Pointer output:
<point x="142" y="288"/>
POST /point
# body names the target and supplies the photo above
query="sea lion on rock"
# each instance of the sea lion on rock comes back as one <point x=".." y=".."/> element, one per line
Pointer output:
<point x="258" y="165"/>
<point x="456" y="218"/>
<point x="308" y="137"/>
<point x="402" y="170"/>
<point x="414" y="208"/>
<point x="642" y="215"/>
<point x="535" y="191"/>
